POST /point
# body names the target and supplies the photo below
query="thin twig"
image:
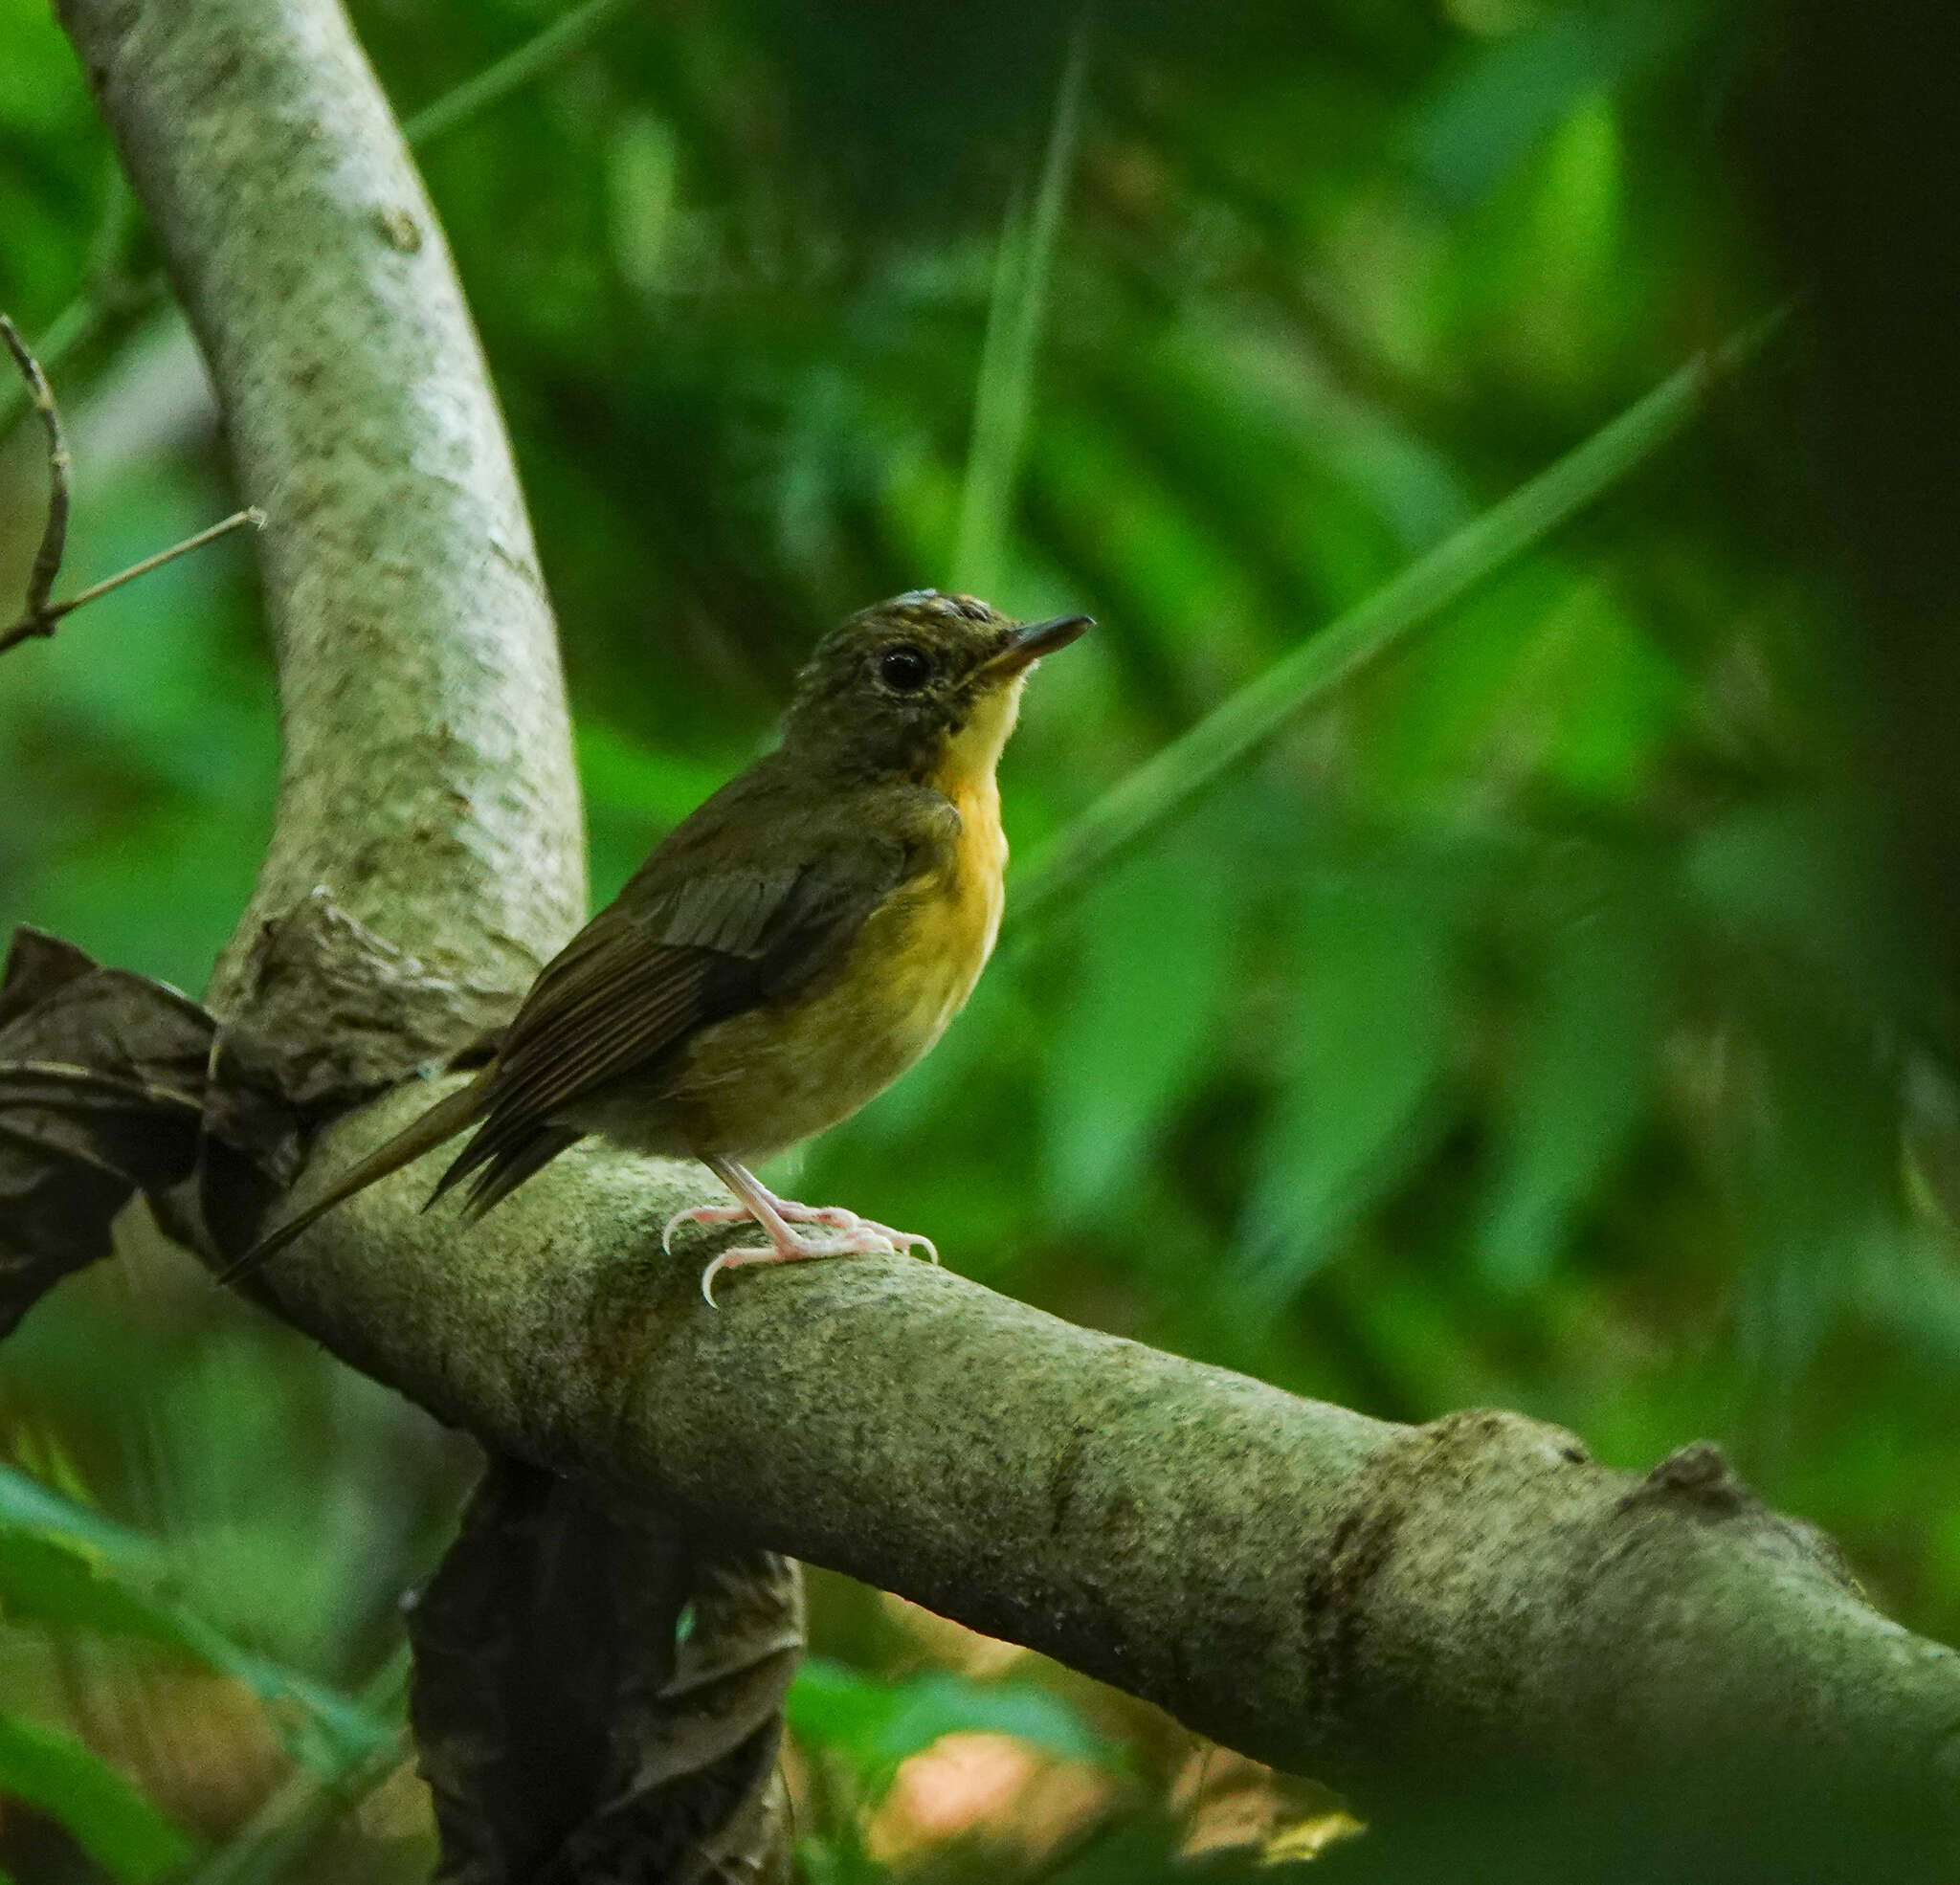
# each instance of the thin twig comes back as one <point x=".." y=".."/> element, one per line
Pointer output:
<point x="80" y="324"/>
<point x="209" y="533"/>
<point x="38" y="615"/>
<point x="84" y="317"/>
<point x="47" y="566"/>
<point x="76" y="323"/>
<point x="42" y="622"/>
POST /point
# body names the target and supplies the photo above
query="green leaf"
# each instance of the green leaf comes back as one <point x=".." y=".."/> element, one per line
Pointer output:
<point x="1502" y="103"/>
<point x="877" y="1724"/>
<point x="1584" y="1065"/>
<point x="1153" y="952"/>
<point x="110" y="1819"/>
<point x="1151" y="794"/>
<point x="65" y="1568"/>
<point x="1816" y="1169"/>
<point x="1369" y="1044"/>
<point x="55" y="1584"/>
<point x="27" y="1505"/>
<point x="643" y="178"/>
<point x="518" y="68"/>
<point x="1542" y="675"/>
<point x="1799" y="877"/>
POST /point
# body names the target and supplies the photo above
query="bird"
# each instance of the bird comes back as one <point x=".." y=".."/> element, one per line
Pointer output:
<point x="789" y="949"/>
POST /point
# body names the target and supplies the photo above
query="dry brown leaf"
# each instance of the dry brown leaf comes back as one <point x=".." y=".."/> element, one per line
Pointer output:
<point x="596" y="1700"/>
<point x="329" y="1015"/>
<point x="102" y="1095"/>
<point x="572" y="1728"/>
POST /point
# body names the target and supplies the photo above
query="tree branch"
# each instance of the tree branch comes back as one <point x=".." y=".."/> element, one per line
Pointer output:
<point x="40" y="616"/>
<point x="426" y="780"/>
<point x="1397" y="1610"/>
<point x="1410" y="1611"/>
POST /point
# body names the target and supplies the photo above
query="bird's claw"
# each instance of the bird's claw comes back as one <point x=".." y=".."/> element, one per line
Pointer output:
<point x="849" y="1235"/>
<point x="702" y="1214"/>
<point x="837" y="1218"/>
<point x="865" y="1240"/>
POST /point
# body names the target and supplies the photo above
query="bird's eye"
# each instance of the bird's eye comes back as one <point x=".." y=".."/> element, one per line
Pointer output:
<point x="904" y="669"/>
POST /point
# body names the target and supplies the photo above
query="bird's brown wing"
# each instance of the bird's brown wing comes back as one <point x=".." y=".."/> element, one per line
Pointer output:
<point x="748" y="900"/>
<point x="682" y="949"/>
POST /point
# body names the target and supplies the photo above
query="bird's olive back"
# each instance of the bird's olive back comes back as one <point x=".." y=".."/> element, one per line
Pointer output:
<point x="881" y="690"/>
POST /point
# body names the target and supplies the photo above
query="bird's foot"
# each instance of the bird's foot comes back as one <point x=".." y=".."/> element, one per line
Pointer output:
<point x="839" y="1232"/>
<point x="867" y="1242"/>
<point x="838" y="1218"/>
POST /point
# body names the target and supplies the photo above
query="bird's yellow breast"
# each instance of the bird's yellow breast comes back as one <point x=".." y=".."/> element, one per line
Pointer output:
<point x="767" y="1078"/>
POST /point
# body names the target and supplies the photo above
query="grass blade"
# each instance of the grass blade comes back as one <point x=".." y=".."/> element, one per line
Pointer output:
<point x="518" y="68"/>
<point x="67" y="1569"/>
<point x="1004" y="394"/>
<point x="276" y="1838"/>
<point x="108" y="1816"/>
<point x="1169" y="781"/>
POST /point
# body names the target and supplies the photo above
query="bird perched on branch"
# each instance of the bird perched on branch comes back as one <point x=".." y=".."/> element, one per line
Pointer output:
<point x="792" y="947"/>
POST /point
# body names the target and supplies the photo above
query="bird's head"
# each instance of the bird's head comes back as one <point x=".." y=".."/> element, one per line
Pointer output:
<point x="926" y="686"/>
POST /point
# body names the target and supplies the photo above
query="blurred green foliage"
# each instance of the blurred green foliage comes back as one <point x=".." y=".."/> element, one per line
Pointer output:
<point x="1534" y="1022"/>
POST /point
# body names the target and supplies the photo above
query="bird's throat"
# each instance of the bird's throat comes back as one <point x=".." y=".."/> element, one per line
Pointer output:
<point x="966" y="764"/>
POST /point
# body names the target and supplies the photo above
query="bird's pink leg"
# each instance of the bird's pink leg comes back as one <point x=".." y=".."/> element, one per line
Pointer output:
<point x="850" y="1235"/>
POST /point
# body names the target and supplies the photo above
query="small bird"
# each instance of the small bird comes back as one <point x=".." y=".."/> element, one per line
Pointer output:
<point x="788" y="950"/>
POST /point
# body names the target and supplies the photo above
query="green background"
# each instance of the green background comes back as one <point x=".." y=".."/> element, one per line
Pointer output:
<point x="1538" y="1022"/>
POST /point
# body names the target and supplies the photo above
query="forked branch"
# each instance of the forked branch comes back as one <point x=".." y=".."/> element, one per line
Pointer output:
<point x="39" y="616"/>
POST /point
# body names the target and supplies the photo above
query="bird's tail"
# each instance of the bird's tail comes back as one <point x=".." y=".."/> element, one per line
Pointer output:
<point x="441" y="1121"/>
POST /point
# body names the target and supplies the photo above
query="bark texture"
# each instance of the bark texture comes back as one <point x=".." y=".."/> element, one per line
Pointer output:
<point x="1398" y="1609"/>
<point x="426" y="782"/>
<point x="1439" y="1617"/>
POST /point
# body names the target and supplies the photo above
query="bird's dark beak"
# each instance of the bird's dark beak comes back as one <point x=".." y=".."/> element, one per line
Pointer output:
<point x="1032" y="641"/>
